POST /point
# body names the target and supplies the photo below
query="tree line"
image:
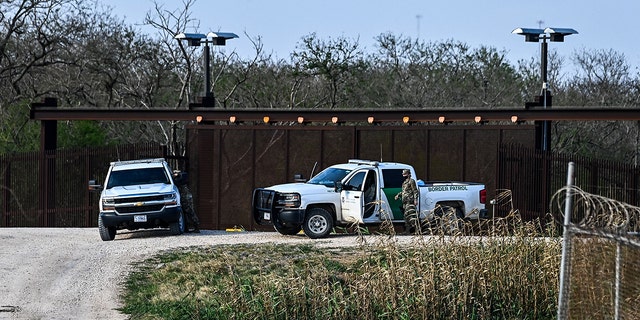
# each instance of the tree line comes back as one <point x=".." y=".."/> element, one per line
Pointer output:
<point x="81" y="53"/>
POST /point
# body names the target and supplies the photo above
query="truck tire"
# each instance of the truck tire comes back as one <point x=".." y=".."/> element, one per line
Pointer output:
<point x="317" y="223"/>
<point x="459" y="222"/>
<point x="286" y="229"/>
<point x="449" y="223"/>
<point x="106" y="233"/>
<point x="177" y="228"/>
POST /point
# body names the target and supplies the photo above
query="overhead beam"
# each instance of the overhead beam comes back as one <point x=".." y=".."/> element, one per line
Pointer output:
<point x="39" y="112"/>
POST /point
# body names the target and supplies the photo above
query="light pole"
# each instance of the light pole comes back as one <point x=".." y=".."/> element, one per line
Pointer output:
<point x="216" y="39"/>
<point x="543" y="132"/>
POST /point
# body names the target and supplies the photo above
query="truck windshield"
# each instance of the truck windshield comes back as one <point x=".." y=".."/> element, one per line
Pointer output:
<point x="136" y="177"/>
<point x="329" y="176"/>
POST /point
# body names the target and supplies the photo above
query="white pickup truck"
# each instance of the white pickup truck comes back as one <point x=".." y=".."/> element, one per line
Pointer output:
<point x="362" y="192"/>
<point x="138" y="194"/>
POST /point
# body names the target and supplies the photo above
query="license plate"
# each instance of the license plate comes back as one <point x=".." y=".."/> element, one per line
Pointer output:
<point x="141" y="218"/>
<point x="266" y="216"/>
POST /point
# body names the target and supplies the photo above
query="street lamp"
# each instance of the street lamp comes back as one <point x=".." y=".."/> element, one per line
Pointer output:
<point x="543" y="135"/>
<point x="216" y="39"/>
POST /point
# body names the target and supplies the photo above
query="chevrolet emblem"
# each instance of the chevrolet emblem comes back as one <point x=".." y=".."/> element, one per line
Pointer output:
<point x="139" y="204"/>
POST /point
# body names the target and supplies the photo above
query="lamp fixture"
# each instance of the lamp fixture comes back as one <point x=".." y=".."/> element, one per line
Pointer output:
<point x="194" y="40"/>
<point x="543" y="139"/>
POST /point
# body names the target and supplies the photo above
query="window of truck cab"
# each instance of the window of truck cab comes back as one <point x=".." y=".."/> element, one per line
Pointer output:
<point x="356" y="181"/>
<point x="392" y="178"/>
<point x="119" y="178"/>
<point x="329" y="176"/>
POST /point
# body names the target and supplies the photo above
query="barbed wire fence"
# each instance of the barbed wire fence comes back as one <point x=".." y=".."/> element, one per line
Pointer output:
<point x="600" y="266"/>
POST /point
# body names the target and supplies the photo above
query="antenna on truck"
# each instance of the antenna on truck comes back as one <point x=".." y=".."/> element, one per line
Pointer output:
<point x="313" y="170"/>
<point x="381" y="152"/>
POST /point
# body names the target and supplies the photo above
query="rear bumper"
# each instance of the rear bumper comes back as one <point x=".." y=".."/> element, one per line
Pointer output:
<point x="153" y="219"/>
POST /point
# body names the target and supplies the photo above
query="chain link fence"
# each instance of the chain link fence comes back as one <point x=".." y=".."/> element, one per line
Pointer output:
<point x="600" y="269"/>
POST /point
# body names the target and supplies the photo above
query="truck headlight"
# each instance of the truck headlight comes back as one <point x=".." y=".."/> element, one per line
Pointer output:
<point x="108" y="204"/>
<point x="289" y="200"/>
<point x="171" y="198"/>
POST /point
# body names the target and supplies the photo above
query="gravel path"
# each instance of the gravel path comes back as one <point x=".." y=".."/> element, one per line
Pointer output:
<point x="71" y="274"/>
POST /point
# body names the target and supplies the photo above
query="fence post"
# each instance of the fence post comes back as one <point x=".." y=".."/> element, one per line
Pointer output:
<point x="47" y="167"/>
<point x="616" y="303"/>
<point x="565" y="263"/>
<point x="5" y="199"/>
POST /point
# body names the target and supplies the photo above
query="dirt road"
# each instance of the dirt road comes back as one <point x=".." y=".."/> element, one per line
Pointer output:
<point x="72" y="274"/>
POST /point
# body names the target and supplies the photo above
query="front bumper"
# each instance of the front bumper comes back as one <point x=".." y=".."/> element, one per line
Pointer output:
<point x="161" y="218"/>
<point x="284" y="217"/>
<point x="265" y="210"/>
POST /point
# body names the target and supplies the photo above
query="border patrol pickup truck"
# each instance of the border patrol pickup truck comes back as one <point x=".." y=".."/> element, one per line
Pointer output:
<point x="361" y="192"/>
<point x="138" y="194"/>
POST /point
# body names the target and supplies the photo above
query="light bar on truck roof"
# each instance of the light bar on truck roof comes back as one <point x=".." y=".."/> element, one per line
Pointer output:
<point x="367" y="162"/>
<point x="120" y="163"/>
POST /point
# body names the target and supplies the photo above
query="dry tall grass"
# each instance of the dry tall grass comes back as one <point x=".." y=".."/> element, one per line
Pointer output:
<point x="511" y="276"/>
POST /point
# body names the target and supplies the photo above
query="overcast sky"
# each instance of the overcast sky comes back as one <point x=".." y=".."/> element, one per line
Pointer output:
<point x="602" y="25"/>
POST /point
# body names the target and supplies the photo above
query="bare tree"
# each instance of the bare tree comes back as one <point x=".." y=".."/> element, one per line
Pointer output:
<point x="328" y="65"/>
<point x="602" y="79"/>
<point x="414" y="74"/>
<point x="32" y="33"/>
<point x="169" y="23"/>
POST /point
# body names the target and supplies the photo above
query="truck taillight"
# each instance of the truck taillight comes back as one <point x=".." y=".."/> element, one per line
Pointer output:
<point x="483" y="196"/>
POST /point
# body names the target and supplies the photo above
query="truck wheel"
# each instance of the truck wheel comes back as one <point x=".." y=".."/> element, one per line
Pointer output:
<point x="177" y="228"/>
<point x="285" y="229"/>
<point x="460" y="219"/>
<point x="317" y="223"/>
<point x="106" y="233"/>
<point x="449" y="219"/>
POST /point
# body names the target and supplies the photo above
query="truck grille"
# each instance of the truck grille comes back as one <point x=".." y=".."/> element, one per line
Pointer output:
<point x="140" y="209"/>
<point x="139" y="199"/>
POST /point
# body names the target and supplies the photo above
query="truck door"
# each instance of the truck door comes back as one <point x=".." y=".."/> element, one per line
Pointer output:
<point x="392" y="186"/>
<point x="370" y="193"/>
<point x="360" y="196"/>
<point x="351" y="197"/>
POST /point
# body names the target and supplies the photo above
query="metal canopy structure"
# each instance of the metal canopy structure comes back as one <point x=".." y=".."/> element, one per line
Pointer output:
<point x="203" y="114"/>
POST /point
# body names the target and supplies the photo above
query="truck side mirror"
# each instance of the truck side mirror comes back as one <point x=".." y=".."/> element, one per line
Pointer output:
<point x="181" y="178"/>
<point x="93" y="186"/>
<point x="338" y="186"/>
<point x="299" y="178"/>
